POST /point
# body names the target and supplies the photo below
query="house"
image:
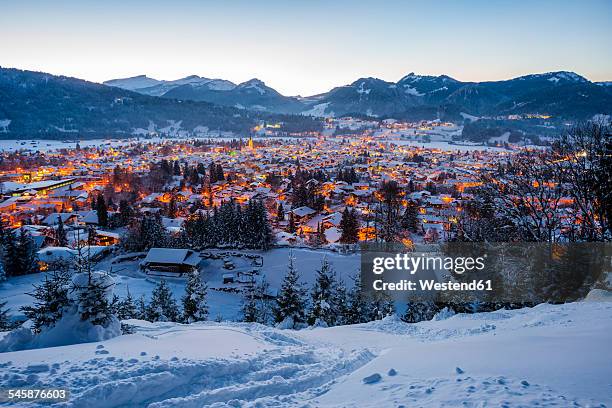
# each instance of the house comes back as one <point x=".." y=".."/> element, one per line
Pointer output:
<point x="53" y="219"/>
<point x="171" y="262"/>
<point x="106" y="238"/>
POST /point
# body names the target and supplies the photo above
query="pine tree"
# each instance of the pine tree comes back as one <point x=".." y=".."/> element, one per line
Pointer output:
<point x="290" y="302"/>
<point x="410" y="220"/>
<point x="2" y="270"/>
<point x="26" y="257"/>
<point x="381" y="306"/>
<point x="249" y="305"/>
<point x="195" y="308"/>
<point x="51" y="297"/>
<point x="5" y="320"/>
<point x="9" y="251"/>
<point x="280" y="213"/>
<point x="349" y="226"/>
<point x="263" y="302"/>
<point x="102" y="212"/>
<point x="322" y="296"/>
<point x="125" y="213"/>
<point x="60" y="233"/>
<point x="126" y="308"/>
<point x="162" y="307"/>
<point x="358" y="303"/>
<point x="91" y="296"/>
<point x="420" y="311"/>
<point x="291" y="226"/>
<point x="141" y="308"/>
<point x="341" y="303"/>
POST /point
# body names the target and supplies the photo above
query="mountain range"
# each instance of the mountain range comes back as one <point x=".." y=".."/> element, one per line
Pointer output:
<point x="40" y="105"/>
<point x="561" y="94"/>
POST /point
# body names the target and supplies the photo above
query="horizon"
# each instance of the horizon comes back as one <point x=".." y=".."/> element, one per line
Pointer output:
<point x="308" y="48"/>
<point x="307" y="95"/>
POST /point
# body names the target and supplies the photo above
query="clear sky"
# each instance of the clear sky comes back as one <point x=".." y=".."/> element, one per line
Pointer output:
<point x="307" y="46"/>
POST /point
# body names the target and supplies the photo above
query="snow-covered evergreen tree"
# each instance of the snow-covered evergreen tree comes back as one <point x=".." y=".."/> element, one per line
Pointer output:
<point x="5" y="320"/>
<point x="341" y="303"/>
<point x="22" y="255"/>
<point x="358" y="311"/>
<point x="162" y="307"/>
<point x="381" y="306"/>
<point x="195" y="307"/>
<point x="249" y="305"/>
<point x="420" y="311"/>
<point x="2" y="270"/>
<point x="323" y="311"/>
<point x="141" y="308"/>
<point x="126" y="308"/>
<point x="51" y="297"/>
<point x="290" y="302"/>
<point x="91" y="291"/>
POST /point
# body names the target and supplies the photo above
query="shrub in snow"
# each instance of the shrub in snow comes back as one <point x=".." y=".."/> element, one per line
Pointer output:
<point x="444" y="314"/>
<point x="289" y="323"/>
<point x="420" y="311"/>
<point x="319" y="323"/>
<point x="195" y="308"/>
<point x="381" y="306"/>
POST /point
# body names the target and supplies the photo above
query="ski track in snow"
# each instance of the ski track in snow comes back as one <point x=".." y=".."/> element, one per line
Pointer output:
<point x="519" y="358"/>
<point x="287" y="370"/>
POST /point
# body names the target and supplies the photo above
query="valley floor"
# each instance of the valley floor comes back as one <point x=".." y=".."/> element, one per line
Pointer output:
<point x="544" y="356"/>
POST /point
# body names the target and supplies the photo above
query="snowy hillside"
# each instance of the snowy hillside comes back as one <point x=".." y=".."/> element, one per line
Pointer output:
<point x="544" y="356"/>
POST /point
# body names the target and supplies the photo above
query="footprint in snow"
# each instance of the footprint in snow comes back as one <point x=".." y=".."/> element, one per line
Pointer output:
<point x="372" y="379"/>
<point x="459" y="370"/>
<point x="392" y="372"/>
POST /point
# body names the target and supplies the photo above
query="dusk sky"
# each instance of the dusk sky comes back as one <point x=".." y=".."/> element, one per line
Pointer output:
<point x="307" y="47"/>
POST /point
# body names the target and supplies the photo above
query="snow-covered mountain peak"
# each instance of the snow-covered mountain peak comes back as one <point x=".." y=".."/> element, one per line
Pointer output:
<point x="132" y="83"/>
<point x="255" y="84"/>
<point x="557" y="76"/>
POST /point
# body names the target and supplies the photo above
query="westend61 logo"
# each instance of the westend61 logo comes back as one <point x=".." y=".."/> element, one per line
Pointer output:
<point x="500" y="273"/>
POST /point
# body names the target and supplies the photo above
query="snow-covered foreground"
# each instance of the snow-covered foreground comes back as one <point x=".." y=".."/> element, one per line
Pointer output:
<point x="544" y="356"/>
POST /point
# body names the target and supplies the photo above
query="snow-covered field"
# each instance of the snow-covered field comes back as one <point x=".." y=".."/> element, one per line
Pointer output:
<point x="544" y="356"/>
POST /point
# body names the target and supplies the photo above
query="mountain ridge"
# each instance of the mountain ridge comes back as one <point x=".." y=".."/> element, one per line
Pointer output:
<point x="564" y="94"/>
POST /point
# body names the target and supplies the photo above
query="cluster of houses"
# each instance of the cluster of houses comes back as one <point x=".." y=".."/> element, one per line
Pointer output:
<point x="438" y="181"/>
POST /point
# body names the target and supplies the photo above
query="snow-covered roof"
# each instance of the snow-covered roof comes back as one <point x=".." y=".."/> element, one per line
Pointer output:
<point x="303" y="211"/>
<point x="172" y="256"/>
